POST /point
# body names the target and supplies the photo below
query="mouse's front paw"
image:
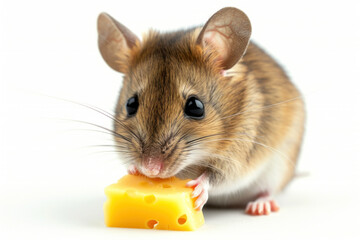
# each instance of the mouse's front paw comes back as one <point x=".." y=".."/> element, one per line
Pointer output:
<point x="201" y="188"/>
<point x="132" y="170"/>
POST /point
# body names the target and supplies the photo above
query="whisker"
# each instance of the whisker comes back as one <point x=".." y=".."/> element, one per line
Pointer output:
<point x="115" y="153"/>
<point x="107" y="145"/>
<point x="205" y="162"/>
<point x="99" y="110"/>
<point x="250" y="135"/>
<point x="262" y="108"/>
<point x="92" y="130"/>
<point x="101" y="127"/>
<point x="203" y="137"/>
<point x="274" y="150"/>
<point x="109" y="115"/>
<point x="108" y="152"/>
<point x="118" y="149"/>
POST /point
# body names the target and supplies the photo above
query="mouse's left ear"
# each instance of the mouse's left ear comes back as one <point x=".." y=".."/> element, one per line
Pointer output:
<point x="115" y="42"/>
<point x="228" y="33"/>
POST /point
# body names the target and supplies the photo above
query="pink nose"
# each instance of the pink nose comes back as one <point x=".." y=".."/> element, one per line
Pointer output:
<point x="152" y="166"/>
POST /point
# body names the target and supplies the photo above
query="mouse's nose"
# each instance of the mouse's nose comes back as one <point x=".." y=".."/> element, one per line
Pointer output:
<point x="152" y="166"/>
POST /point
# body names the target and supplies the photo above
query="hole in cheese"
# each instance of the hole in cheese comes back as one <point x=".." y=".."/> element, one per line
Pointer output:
<point x="166" y="186"/>
<point x="152" y="223"/>
<point x="182" y="220"/>
<point x="149" y="198"/>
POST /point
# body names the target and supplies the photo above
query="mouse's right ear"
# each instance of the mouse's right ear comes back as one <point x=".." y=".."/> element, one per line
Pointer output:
<point x="115" y="42"/>
<point x="228" y="33"/>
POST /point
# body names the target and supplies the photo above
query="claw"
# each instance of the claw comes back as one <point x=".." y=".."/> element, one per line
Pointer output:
<point x="202" y="199"/>
<point x="201" y="187"/>
<point x="264" y="205"/>
<point x="133" y="170"/>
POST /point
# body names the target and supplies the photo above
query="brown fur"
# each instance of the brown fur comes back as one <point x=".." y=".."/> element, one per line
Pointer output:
<point x="250" y="114"/>
<point x="156" y="75"/>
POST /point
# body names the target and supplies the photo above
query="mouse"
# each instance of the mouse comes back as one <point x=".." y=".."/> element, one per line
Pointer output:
<point x="208" y="104"/>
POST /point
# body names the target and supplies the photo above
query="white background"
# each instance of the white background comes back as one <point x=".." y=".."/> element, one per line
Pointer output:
<point x="53" y="171"/>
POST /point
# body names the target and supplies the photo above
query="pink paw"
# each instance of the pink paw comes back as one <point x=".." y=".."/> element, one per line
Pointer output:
<point x="201" y="187"/>
<point x="264" y="205"/>
<point x="133" y="170"/>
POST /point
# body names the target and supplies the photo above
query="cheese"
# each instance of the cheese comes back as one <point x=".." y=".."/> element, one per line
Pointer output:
<point x="141" y="202"/>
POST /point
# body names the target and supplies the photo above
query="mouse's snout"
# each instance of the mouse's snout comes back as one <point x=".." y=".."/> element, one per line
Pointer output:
<point x="157" y="158"/>
<point x="152" y="166"/>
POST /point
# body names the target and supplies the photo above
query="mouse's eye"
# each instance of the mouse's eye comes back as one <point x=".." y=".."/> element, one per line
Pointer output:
<point x="132" y="106"/>
<point x="194" y="108"/>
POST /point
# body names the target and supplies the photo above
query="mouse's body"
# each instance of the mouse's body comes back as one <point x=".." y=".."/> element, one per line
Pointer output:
<point x="206" y="104"/>
<point x="275" y="115"/>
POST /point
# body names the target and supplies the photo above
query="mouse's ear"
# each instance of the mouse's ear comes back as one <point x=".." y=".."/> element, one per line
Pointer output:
<point x="228" y="33"/>
<point x="115" y="42"/>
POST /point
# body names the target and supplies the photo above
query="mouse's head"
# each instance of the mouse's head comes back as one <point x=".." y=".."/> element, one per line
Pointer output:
<point x="171" y="103"/>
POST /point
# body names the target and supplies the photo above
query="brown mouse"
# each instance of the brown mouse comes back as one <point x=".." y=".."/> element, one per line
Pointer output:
<point x="208" y="104"/>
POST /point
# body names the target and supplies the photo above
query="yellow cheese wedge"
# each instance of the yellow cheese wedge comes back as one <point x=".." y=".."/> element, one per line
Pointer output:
<point x="141" y="202"/>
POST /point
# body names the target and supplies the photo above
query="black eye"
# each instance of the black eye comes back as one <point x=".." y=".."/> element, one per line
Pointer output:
<point x="194" y="108"/>
<point x="132" y="106"/>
